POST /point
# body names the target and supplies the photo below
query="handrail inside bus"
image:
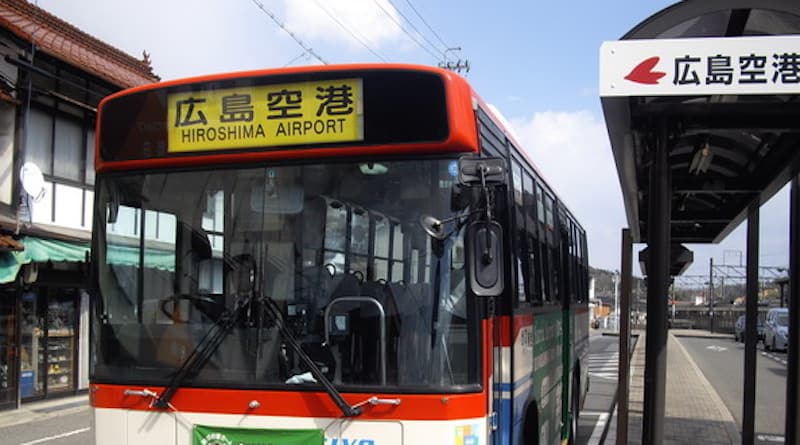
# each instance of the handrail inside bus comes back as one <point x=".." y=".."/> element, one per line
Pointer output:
<point x="381" y="318"/>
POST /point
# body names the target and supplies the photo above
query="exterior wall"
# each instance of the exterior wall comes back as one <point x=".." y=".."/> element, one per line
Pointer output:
<point x="51" y="124"/>
<point x="7" y="124"/>
<point x="7" y="128"/>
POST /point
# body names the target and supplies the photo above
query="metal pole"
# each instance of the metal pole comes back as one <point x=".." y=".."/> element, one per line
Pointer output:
<point x="792" y="434"/>
<point x="616" y="299"/>
<point x="750" y="327"/>
<point x="624" y="338"/>
<point x="658" y="240"/>
<point x="782" y="296"/>
<point x="711" y="294"/>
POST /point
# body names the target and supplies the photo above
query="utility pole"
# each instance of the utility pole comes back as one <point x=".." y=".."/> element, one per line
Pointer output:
<point x="711" y="294"/>
<point x="457" y="66"/>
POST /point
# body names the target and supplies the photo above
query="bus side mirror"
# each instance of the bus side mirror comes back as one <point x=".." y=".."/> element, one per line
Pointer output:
<point x="485" y="266"/>
<point x="473" y="171"/>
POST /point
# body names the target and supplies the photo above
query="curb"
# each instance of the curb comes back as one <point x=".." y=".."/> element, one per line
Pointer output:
<point x="730" y="424"/>
<point x="707" y="337"/>
<point x="615" y="334"/>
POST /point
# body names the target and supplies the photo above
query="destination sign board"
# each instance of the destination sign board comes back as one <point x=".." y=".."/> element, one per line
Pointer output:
<point x="288" y="114"/>
<point x="249" y="113"/>
<point x="703" y="66"/>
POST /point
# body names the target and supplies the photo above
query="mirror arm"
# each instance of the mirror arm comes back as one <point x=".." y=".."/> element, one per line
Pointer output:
<point x="487" y="252"/>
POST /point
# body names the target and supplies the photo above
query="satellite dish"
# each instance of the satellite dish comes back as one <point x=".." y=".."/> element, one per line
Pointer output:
<point x="32" y="181"/>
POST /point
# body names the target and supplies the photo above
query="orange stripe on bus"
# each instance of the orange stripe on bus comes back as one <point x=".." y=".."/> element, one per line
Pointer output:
<point x="295" y="403"/>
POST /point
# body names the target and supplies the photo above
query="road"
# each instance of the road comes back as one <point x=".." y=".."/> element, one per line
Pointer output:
<point x="603" y="356"/>
<point x="722" y="363"/>
<point x="70" y="427"/>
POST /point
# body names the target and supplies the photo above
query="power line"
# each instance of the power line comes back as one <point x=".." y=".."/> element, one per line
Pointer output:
<point x="291" y="34"/>
<point x="295" y="59"/>
<point x="348" y="30"/>
<point x="404" y="30"/>
<point x="426" y="23"/>
<point x="414" y="27"/>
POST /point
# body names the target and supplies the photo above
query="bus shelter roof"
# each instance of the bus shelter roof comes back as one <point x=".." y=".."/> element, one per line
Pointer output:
<point x="721" y="79"/>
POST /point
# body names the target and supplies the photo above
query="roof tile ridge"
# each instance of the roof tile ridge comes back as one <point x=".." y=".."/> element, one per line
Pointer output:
<point x="42" y="18"/>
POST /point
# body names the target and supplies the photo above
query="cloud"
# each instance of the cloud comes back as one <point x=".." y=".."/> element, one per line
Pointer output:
<point x="184" y="37"/>
<point x="364" y="18"/>
<point x="572" y="152"/>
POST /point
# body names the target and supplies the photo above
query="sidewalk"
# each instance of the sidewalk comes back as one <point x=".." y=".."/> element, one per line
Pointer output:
<point x="694" y="411"/>
<point x="34" y="411"/>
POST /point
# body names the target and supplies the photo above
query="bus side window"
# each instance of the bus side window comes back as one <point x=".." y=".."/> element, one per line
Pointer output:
<point x="542" y="249"/>
<point x="519" y="240"/>
<point x="552" y="251"/>
<point x="532" y="259"/>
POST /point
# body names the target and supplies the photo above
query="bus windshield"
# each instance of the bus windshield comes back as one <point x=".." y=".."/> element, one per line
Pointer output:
<point x="338" y="247"/>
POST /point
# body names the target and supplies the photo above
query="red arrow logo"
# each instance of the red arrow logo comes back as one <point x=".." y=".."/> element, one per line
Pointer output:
<point x="643" y="73"/>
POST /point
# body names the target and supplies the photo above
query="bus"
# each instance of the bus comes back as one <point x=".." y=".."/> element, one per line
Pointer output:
<point x="339" y="255"/>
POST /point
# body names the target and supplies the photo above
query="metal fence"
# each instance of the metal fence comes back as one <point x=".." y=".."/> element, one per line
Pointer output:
<point x="724" y="317"/>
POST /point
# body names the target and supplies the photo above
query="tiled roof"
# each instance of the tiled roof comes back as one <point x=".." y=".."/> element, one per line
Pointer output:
<point x="9" y="244"/>
<point x="68" y="43"/>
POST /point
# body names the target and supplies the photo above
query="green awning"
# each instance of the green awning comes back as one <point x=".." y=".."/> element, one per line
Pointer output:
<point x="40" y="250"/>
<point x="153" y="258"/>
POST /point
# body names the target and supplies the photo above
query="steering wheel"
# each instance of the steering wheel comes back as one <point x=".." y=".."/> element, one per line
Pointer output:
<point x="174" y="314"/>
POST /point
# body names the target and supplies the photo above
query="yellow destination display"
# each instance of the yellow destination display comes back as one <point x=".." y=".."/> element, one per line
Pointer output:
<point x="266" y="116"/>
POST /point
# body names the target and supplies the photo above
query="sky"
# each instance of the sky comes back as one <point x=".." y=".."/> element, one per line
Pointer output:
<point x="536" y="62"/>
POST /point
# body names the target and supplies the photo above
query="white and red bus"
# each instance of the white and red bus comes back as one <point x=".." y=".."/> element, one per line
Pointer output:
<point x="348" y="255"/>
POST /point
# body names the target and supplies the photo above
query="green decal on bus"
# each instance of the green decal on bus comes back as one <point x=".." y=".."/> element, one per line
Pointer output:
<point x="212" y="435"/>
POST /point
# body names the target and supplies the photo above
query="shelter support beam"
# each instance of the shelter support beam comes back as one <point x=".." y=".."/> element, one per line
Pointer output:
<point x="624" y="338"/>
<point x="750" y="326"/>
<point x="658" y="240"/>
<point x="792" y="434"/>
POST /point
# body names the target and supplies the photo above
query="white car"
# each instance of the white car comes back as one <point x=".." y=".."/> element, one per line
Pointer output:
<point x="776" y="335"/>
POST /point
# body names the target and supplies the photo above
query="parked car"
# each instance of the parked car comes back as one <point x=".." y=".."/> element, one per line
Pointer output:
<point x="738" y="330"/>
<point x="776" y="335"/>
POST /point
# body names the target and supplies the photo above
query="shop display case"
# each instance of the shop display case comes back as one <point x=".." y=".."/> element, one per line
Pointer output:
<point x="60" y="359"/>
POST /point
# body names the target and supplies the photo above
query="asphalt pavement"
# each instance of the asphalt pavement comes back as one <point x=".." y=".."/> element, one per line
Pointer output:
<point x="66" y="429"/>
<point x="603" y="357"/>
<point x="722" y="363"/>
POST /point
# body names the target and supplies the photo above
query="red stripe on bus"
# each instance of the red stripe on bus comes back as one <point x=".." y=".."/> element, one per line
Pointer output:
<point x="510" y="330"/>
<point x="520" y="322"/>
<point x="295" y="403"/>
<point x="457" y="143"/>
<point x="504" y="325"/>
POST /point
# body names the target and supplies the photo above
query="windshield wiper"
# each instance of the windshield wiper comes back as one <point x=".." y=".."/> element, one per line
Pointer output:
<point x="209" y="344"/>
<point x="275" y="313"/>
<point x="200" y="355"/>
